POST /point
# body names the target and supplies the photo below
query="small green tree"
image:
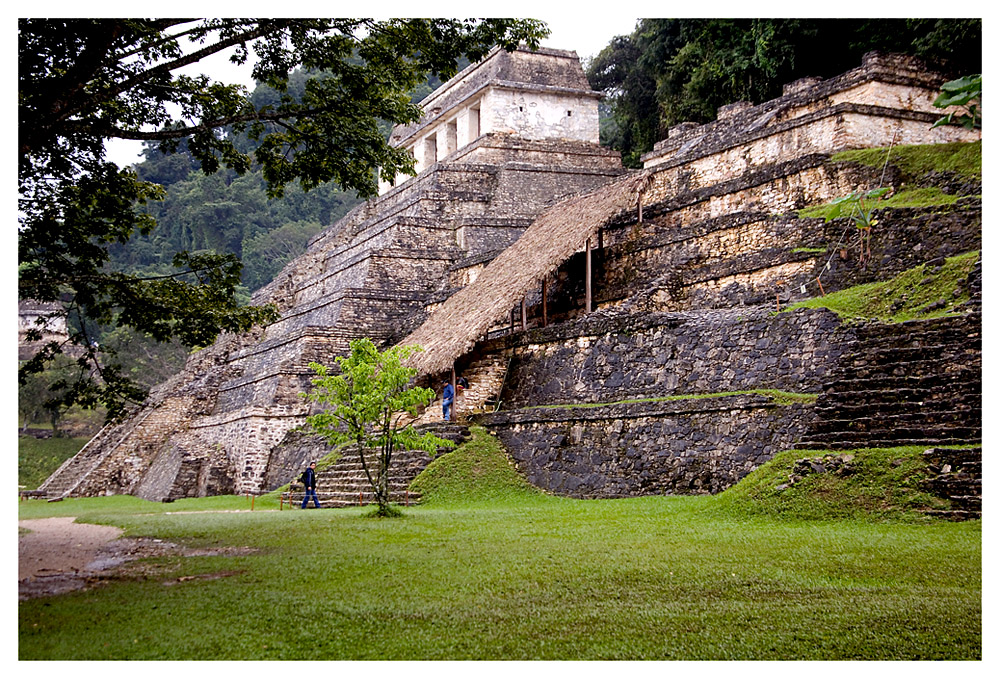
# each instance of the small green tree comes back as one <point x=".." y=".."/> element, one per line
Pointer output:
<point x="367" y="404"/>
<point x="860" y="208"/>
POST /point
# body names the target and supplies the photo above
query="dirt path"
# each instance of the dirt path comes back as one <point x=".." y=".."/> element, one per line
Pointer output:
<point x="59" y="555"/>
<point x="59" y="545"/>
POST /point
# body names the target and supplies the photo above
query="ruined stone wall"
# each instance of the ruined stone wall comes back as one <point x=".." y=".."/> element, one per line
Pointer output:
<point x="754" y="258"/>
<point x="608" y="357"/>
<point x="716" y="232"/>
<point x="541" y="114"/>
<point x="678" y="447"/>
<point x="887" y="99"/>
<point x="614" y="404"/>
<point x="248" y="437"/>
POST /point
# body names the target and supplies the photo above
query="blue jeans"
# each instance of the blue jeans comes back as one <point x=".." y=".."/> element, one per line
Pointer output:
<point x="310" y="493"/>
<point x="446" y="404"/>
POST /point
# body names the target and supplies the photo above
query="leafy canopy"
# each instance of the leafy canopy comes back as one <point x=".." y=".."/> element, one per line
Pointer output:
<point x="670" y="71"/>
<point x="82" y="82"/>
<point x="370" y="403"/>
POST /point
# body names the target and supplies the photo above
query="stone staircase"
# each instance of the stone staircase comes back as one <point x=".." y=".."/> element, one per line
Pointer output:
<point x="912" y="383"/>
<point x="73" y="471"/>
<point x="959" y="479"/>
<point x="486" y="377"/>
<point x="344" y="484"/>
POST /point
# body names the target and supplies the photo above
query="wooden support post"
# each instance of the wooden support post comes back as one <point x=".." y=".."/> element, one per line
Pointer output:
<point x="511" y="321"/>
<point x="454" y="394"/>
<point x="821" y="292"/>
<point x="524" y="313"/>
<point x="588" y="276"/>
<point x="545" y="302"/>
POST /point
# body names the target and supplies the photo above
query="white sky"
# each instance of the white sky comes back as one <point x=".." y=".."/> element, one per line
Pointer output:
<point x="583" y="32"/>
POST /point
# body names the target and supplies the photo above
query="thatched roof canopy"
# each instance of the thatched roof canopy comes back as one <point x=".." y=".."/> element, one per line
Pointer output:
<point x="454" y="327"/>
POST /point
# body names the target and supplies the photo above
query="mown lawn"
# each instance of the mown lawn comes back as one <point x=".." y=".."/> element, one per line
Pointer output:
<point x="520" y="577"/>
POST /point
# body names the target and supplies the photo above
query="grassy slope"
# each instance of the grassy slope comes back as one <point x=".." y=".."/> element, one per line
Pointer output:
<point x="961" y="159"/>
<point x="878" y="484"/>
<point x="904" y="297"/>
<point x="489" y="568"/>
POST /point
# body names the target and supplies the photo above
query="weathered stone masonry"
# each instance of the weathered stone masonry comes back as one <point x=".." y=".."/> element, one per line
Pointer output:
<point x="668" y="447"/>
<point x="686" y="293"/>
<point x="371" y="274"/>
<point x="692" y="444"/>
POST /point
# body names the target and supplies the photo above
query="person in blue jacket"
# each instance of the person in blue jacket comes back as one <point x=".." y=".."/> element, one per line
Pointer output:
<point x="447" y="398"/>
<point x="308" y="479"/>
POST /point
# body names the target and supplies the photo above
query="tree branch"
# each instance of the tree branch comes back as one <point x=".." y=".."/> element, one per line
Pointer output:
<point x="264" y="28"/>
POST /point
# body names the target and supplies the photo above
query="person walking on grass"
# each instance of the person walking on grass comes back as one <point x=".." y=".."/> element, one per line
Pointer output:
<point x="308" y="479"/>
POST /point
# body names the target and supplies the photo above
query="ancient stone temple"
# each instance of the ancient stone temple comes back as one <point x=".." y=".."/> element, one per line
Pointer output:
<point x="641" y="309"/>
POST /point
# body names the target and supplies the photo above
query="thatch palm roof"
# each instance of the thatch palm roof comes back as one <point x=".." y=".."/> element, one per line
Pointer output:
<point x="454" y="327"/>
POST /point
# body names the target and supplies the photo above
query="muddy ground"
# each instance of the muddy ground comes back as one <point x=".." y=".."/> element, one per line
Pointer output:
<point x="59" y="555"/>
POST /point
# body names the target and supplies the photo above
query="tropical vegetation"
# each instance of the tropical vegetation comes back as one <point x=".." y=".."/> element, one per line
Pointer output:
<point x="670" y="71"/>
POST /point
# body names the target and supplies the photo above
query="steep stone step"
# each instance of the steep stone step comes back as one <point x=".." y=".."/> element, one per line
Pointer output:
<point x="904" y="424"/>
<point x="890" y="428"/>
<point x="957" y="458"/>
<point x="945" y="327"/>
<point x="73" y="471"/>
<point x="486" y="378"/>
<point x="957" y="337"/>
<point x="916" y="400"/>
<point x="834" y="443"/>
<point x="944" y="412"/>
<point x="959" y="478"/>
<point x="873" y="366"/>
<point x="969" y="379"/>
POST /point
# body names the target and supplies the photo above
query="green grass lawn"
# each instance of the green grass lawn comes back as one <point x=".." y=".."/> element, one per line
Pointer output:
<point x="489" y="568"/>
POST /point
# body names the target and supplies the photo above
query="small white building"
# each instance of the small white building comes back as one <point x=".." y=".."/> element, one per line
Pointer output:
<point x="534" y="95"/>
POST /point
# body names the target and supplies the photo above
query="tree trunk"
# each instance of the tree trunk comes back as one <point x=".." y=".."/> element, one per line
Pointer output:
<point x="382" y="485"/>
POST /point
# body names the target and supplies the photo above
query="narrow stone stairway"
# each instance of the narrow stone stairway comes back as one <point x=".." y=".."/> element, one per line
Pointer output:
<point x="912" y="383"/>
<point x="959" y="479"/>
<point x="345" y="484"/>
<point x="486" y="377"/>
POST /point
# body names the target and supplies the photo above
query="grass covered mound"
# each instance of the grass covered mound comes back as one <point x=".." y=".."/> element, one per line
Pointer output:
<point x="922" y="169"/>
<point x="919" y="293"/>
<point x="964" y="159"/>
<point x="478" y="471"/>
<point x="864" y="484"/>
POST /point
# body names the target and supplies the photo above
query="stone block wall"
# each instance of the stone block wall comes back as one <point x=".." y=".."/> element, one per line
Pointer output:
<point x="607" y="357"/>
<point x="715" y="233"/>
<point x="616" y="404"/>
<point x="681" y="447"/>
<point x="888" y="98"/>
